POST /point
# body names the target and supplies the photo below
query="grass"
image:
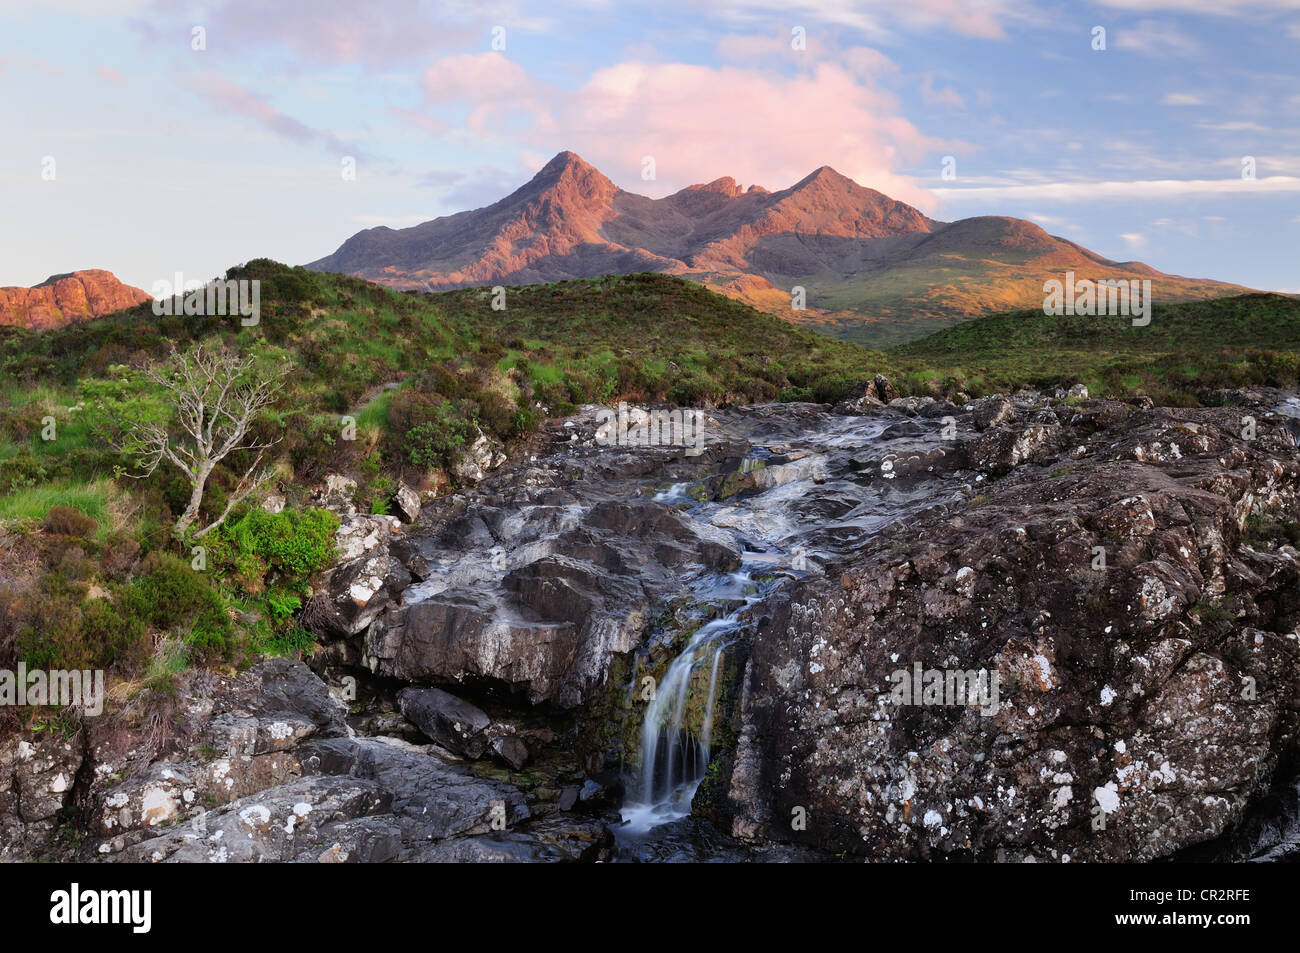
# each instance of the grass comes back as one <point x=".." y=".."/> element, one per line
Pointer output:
<point x="35" y="503"/>
<point x="1187" y="350"/>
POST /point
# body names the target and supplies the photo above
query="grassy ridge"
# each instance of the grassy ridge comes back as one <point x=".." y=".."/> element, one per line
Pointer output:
<point x="1186" y="350"/>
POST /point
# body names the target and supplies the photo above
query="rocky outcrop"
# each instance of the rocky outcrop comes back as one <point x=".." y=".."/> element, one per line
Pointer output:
<point x="1106" y="590"/>
<point x="262" y="767"/>
<point x="61" y="299"/>
<point x="1120" y="583"/>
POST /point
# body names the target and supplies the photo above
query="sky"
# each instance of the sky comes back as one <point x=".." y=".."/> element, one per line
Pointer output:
<point x="154" y="138"/>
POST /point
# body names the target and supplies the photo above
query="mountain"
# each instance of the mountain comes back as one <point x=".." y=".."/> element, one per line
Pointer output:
<point x="61" y="299"/>
<point x="875" y="270"/>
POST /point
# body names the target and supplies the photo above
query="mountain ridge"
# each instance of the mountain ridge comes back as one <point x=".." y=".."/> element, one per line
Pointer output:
<point x="875" y="269"/>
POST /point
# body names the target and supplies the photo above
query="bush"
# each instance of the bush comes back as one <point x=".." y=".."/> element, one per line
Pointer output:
<point x="284" y="548"/>
<point x="433" y="429"/>
<point x="173" y="595"/>
<point x="66" y="521"/>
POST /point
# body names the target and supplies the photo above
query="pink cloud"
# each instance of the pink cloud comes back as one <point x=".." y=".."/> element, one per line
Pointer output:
<point x="701" y="123"/>
<point x="759" y="125"/>
<point x="492" y="86"/>
<point x="110" y="75"/>
<point x="939" y="97"/>
<point x="344" y="31"/>
<point x="244" y="102"/>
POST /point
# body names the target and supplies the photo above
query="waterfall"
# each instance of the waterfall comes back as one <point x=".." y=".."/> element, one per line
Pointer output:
<point x="673" y="756"/>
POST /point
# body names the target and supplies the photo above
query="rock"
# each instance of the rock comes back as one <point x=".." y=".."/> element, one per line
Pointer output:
<point x="547" y="841"/>
<point x="992" y="412"/>
<point x="1077" y="392"/>
<point x="37" y="777"/>
<point x="911" y="405"/>
<point x="1117" y="697"/>
<point x="1002" y="450"/>
<point x="547" y="618"/>
<point x="512" y="750"/>
<point x="273" y="502"/>
<point x="482" y="455"/>
<point x="450" y="721"/>
<point x="338" y="495"/>
<point x="430" y="799"/>
<point x="366" y="578"/>
<point x="281" y="824"/>
<point x="408" y="502"/>
<point x="568" y="798"/>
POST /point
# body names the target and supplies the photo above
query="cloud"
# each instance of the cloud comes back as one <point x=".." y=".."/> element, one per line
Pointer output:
<point x="1134" y="240"/>
<point x="939" y="97"/>
<point x="244" y="102"/>
<point x="701" y="123"/>
<point x="758" y="125"/>
<point x="324" y="32"/>
<point x="1182" y="99"/>
<point x="1154" y="38"/>
<point x="22" y="61"/>
<point x="985" y="19"/>
<point x="491" y="87"/>
<point x="1140" y="189"/>
<point x="1206" y="7"/>
<point x="111" y="76"/>
<point x="1235" y="126"/>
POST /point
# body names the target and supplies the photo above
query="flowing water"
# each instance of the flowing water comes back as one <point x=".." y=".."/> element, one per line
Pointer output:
<point x="673" y="758"/>
<point x="812" y="503"/>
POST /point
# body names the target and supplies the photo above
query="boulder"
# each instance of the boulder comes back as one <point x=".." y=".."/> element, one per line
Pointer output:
<point x="450" y="721"/>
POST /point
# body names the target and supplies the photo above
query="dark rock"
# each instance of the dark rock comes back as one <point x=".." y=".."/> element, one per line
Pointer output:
<point x="450" y="721"/>
<point x="993" y="412"/>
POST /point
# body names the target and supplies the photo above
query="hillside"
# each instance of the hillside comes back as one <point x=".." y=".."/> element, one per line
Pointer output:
<point x="388" y="357"/>
<point x="875" y="270"/>
<point x="1186" y="350"/>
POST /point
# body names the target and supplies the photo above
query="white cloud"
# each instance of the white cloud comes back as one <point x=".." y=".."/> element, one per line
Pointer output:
<point x="1155" y="38"/>
<point x="1134" y="240"/>
<point x="1209" y="7"/>
<point x="1182" y="99"/>
<point x="939" y="97"/>
<point x="1083" y="191"/>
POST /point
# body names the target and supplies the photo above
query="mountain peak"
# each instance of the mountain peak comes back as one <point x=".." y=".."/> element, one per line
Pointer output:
<point x="723" y="186"/>
<point x="827" y="176"/>
<point x="60" y="299"/>
<point x="568" y="160"/>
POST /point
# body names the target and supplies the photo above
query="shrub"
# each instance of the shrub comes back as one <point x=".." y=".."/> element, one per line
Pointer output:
<point x="172" y="595"/>
<point x="288" y="546"/>
<point x="66" y="521"/>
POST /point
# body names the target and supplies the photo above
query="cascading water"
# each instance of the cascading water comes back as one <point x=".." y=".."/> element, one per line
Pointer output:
<point x="675" y="754"/>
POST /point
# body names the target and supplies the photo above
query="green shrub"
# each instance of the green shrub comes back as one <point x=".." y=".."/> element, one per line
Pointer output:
<point x="173" y="595"/>
<point x="285" y="547"/>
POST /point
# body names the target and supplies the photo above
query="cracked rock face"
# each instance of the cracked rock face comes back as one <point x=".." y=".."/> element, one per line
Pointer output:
<point x="1144" y="645"/>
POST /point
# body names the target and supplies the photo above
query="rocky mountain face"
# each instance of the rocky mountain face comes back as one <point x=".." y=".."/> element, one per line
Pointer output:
<point x="62" y="299"/>
<point x="873" y="269"/>
<point x="613" y="648"/>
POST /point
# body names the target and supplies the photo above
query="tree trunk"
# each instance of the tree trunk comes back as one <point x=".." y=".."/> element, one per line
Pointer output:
<point x="192" y="510"/>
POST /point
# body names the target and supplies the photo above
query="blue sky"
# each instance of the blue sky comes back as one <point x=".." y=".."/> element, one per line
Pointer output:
<point x="168" y="158"/>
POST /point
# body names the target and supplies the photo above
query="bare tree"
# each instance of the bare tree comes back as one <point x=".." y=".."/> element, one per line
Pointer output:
<point x="215" y="396"/>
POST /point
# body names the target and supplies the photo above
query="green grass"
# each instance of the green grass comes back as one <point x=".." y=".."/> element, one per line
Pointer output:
<point x="91" y="499"/>
<point x="1187" y="350"/>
